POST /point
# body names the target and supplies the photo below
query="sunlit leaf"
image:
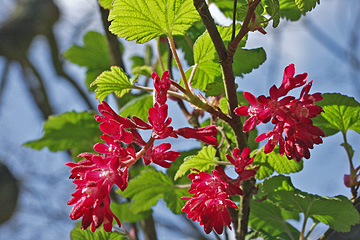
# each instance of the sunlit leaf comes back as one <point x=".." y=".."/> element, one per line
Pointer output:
<point x="341" y="113"/>
<point x="105" y="3"/>
<point x="273" y="9"/>
<point x="201" y="161"/>
<point x="143" y="20"/>
<point x="289" y="10"/>
<point x="114" y="81"/>
<point x="306" y="5"/>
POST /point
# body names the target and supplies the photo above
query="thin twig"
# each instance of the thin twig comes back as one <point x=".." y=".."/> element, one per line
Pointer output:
<point x="234" y="21"/>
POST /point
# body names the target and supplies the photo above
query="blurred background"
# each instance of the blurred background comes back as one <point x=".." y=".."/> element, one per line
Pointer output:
<point x="34" y="185"/>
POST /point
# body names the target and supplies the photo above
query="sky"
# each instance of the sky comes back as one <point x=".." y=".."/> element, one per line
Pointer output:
<point x="45" y="187"/>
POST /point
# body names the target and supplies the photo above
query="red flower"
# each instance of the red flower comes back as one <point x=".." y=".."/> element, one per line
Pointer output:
<point x="253" y="111"/>
<point x="210" y="202"/>
<point x="94" y="178"/>
<point x="206" y="134"/>
<point x="160" y="123"/>
<point x="291" y="116"/>
<point x="290" y="82"/>
<point x="157" y="154"/>
<point x="275" y="137"/>
<point x="241" y="160"/>
<point x="161" y="87"/>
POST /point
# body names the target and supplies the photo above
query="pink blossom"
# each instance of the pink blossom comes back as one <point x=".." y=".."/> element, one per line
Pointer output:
<point x="158" y="155"/>
<point x="161" y="87"/>
<point x="242" y="160"/>
<point x="253" y="112"/>
<point x="158" y="118"/>
<point x="292" y="117"/>
<point x="210" y="201"/>
<point x="94" y="178"/>
<point x="206" y="134"/>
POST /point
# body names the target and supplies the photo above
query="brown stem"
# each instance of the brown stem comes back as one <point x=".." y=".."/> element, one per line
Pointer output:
<point x="234" y="21"/>
<point x="113" y="43"/>
<point x="244" y="29"/>
<point x="226" y="60"/>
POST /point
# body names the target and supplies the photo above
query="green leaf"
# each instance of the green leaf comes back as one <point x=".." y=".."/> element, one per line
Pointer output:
<point x="143" y="20"/>
<point x="267" y="217"/>
<point x="289" y="10"/>
<point x="215" y="89"/>
<point x="272" y="7"/>
<point x="123" y="212"/>
<point x="143" y="70"/>
<point x="76" y="132"/>
<point x="206" y="73"/>
<point x="78" y="234"/>
<point x="94" y="55"/>
<point x="341" y="113"/>
<point x="105" y="3"/>
<point x="306" y="5"/>
<point x="176" y="164"/>
<point x="148" y="187"/>
<point x="112" y="81"/>
<point x="186" y="43"/>
<point x="208" y="69"/>
<point x="138" y="107"/>
<point x="201" y="161"/>
<point x="245" y="60"/>
<point x="274" y="162"/>
<point x="337" y="212"/>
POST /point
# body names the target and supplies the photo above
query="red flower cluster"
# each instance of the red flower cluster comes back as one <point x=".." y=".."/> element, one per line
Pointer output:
<point x="292" y="117"/>
<point x="210" y="202"/>
<point x="95" y="175"/>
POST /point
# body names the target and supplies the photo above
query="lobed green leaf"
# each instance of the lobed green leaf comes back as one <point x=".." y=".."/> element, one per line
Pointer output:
<point x="208" y="69"/>
<point x="59" y="133"/>
<point x="341" y="113"/>
<point x="306" y="5"/>
<point x="274" y="162"/>
<point x="148" y="187"/>
<point x="337" y="212"/>
<point x="246" y="60"/>
<point x="143" y="20"/>
<point x="138" y="106"/>
<point x="105" y="3"/>
<point x="94" y="55"/>
<point x="201" y="161"/>
<point x="112" y="81"/>
<point x="266" y="216"/>
<point x="123" y="212"/>
<point x="289" y="10"/>
<point x="78" y="234"/>
<point x="272" y="7"/>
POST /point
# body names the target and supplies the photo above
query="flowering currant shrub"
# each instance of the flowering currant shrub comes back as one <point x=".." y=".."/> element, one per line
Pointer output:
<point x="124" y="160"/>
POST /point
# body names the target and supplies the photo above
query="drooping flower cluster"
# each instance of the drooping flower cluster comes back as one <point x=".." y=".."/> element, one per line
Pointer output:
<point x="98" y="173"/>
<point x="291" y="116"/>
<point x="210" y="201"/>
